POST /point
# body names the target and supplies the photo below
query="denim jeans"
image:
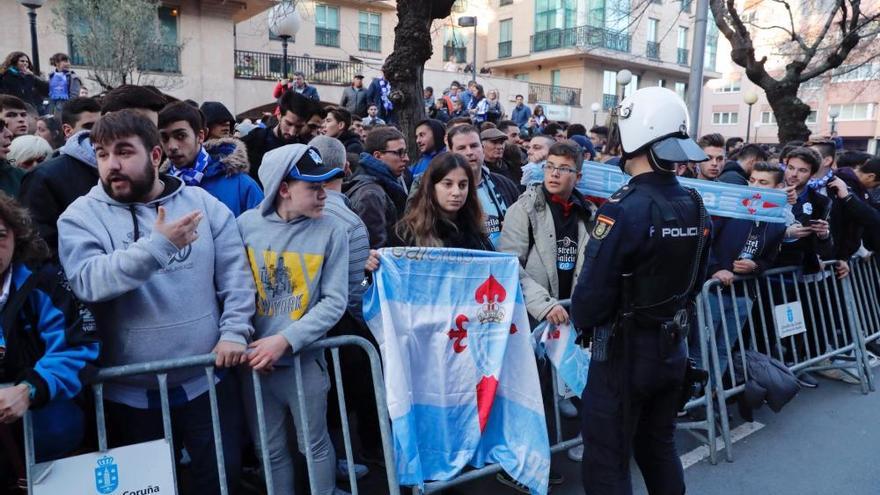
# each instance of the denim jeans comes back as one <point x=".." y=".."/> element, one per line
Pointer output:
<point x="743" y="305"/>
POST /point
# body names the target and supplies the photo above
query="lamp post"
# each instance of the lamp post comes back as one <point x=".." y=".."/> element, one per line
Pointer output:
<point x="750" y="98"/>
<point x="834" y="112"/>
<point x="595" y="107"/>
<point x="471" y="21"/>
<point x="623" y="78"/>
<point x="32" y="6"/>
<point x="284" y="21"/>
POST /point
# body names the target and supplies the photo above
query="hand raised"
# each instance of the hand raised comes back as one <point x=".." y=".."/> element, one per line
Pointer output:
<point x="182" y="232"/>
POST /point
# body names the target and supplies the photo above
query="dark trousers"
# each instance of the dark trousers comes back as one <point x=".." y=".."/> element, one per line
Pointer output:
<point x="654" y="388"/>
<point x="192" y="429"/>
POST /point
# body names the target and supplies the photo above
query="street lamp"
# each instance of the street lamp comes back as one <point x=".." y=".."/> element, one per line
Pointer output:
<point x="834" y="112"/>
<point x="32" y="6"/>
<point x="471" y="21"/>
<point x="750" y="98"/>
<point x="595" y="107"/>
<point x="284" y="21"/>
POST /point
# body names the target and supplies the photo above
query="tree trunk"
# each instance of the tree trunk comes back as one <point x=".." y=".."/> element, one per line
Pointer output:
<point x="405" y="66"/>
<point x="791" y="113"/>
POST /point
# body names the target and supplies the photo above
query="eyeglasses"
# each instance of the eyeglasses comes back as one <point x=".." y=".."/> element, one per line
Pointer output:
<point x="550" y="169"/>
<point x="401" y="152"/>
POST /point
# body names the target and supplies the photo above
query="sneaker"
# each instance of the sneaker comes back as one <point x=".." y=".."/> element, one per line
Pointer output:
<point x="839" y="375"/>
<point x="567" y="409"/>
<point x="505" y="479"/>
<point x="576" y="454"/>
<point x="807" y="380"/>
<point x="342" y="470"/>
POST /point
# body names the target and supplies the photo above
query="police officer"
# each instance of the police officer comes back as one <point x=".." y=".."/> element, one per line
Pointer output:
<point x="646" y="251"/>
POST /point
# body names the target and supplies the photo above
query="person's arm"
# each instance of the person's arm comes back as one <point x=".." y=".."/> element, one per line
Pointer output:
<point x="371" y="208"/>
<point x="359" y="251"/>
<point x="278" y="90"/>
<point x="317" y="320"/>
<point x="66" y="328"/>
<point x="43" y="206"/>
<point x="253" y="195"/>
<point x="96" y="275"/>
<point x="345" y="98"/>
<point x="515" y="239"/>
<point x="775" y="234"/>
<point x="233" y="281"/>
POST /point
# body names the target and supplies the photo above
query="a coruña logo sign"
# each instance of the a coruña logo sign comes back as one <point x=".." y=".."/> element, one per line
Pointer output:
<point x="106" y="475"/>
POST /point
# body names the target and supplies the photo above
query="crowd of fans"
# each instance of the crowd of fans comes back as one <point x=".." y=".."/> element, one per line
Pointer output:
<point x="136" y="227"/>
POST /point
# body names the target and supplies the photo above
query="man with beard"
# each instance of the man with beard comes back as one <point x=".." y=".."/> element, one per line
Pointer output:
<point x="219" y="166"/>
<point x="293" y="127"/>
<point x="163" y="269"/>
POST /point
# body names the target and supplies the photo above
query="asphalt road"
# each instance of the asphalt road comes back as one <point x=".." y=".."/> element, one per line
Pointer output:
<point x="825" y="441"/>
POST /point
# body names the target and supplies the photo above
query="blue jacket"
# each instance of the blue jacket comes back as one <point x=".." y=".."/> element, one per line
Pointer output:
<point x="521" y="115"/>
<point x="226" y="176"/>
<point x="730" y="236"/>
<point x="419" y="168"/>
<point x="51" y="341"/>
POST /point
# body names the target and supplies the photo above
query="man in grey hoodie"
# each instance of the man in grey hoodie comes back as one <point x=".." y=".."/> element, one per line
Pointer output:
<point x="160" y="289"/>
<point x="299" y="260"/>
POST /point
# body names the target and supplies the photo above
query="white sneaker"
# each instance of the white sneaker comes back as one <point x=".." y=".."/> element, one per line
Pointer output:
<point x="342" y="470"/>
<point x="567" y="409"/>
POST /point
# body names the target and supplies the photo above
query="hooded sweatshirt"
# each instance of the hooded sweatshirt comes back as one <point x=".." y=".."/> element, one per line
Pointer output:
<point x="300" y="266"/>
<point x="151" y="300"/>
<point x="225" y="176"/>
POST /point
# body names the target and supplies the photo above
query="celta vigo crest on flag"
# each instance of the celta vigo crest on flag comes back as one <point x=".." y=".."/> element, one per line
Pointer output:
<point x="461" y="379"/>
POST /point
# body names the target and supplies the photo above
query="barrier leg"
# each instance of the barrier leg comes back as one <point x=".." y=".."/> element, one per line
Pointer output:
<point x="707" y="393"/>
<point x="218" y="435"/>
<point x="166" y="420"/>
<point x="263" y="434"/>
<point x="343" y="413"/>
<point x="304" y="415"/>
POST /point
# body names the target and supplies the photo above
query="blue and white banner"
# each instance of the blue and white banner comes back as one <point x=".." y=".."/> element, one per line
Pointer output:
<point x="460" y="374"/>
<point x="721" y="199"/>
<point x="569" y="359"/>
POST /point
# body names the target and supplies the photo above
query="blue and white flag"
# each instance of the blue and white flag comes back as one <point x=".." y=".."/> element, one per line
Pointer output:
<point x="460" y="374"/>
<point x="569" y="359"/>
<point x="724" y="200"/>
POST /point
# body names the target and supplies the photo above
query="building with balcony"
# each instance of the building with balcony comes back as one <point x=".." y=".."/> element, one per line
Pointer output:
<point x="851" y="93"/>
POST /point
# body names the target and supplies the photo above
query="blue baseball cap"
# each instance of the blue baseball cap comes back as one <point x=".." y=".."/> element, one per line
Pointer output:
<point x="311" y="168"/>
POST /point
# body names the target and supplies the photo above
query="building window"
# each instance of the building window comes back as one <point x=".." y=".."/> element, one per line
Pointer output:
<point x="653" y="27"/>
<point x="459" y="6"/>
<point x="725" y="118"/>
<point x="852" y="111"/>
<point x="631" y="87"/>
<point x="326" y="25"/>
<point x="728" y="87"/>
<point x="661" y="83"/>
<point x="521" y="77"/>
<point x="852" y="72"/>
<point x="505" y="38"/>
<point x="555" y="77"/>
<point x="554" y="14"/>
<point x="455" y="45"/>
<point x="767" y="118"/>
<point x="811" y="118"/>
<point x="682" y="37"/>
<point x="609" y="90"/>
<point x="505" y="2"/>
<point x="370" y="25"/>
<point x="681" y="89"/>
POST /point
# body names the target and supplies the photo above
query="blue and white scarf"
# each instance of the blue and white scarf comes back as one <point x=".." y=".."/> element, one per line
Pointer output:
<point x="192" y="176"/>
<point x="385" y="91"/>
<point x="821" y="182"/>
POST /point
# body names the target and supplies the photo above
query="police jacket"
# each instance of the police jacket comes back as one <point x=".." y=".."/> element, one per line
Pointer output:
<point x="632" y="235"/>
<point x="530" y="233"/>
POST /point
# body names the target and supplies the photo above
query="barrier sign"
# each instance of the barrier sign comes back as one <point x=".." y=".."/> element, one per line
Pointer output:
<point x="144" y="468"/>
<point x="789" y="319"/>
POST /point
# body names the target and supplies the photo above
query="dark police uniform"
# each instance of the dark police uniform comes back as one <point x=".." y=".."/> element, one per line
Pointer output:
<point x="651" y="228"/>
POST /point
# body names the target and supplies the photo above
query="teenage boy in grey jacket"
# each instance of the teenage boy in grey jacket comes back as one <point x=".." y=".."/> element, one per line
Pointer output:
<point x="299" y="260"/>
<point x="547" y="229"/>
<point x="163" y="268"/>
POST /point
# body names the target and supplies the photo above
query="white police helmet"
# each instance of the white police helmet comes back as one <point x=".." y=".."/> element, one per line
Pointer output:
<point x="654" y="120"/>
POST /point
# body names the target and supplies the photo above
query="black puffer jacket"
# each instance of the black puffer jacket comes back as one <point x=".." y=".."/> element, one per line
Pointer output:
<point x="769" y="381"/>
<point x="28" y="87"/>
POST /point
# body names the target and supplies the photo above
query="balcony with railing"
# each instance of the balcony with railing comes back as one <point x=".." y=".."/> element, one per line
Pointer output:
<point x="683" y="56"/>
<point x="370" y="43"/>
<point x="608" y="102"/>
<point x="326" y="37"/>
<point x="555" y="95"/>
<point x="268" y="67"/>
<point x="652" y="51"/>
<point x="581" y="37"/>
<point x="161" y="58"/>
<point x="458" y="53"/>
<point x="505" y="49"/>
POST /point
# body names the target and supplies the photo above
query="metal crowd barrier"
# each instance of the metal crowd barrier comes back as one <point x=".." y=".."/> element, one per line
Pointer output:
<point x="833" y="337"/>
<point x="161" y="369"/>
<point x="865" y="275"/>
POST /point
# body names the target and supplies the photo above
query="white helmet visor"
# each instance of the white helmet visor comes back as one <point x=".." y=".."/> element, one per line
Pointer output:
<point x="675" y="149"/>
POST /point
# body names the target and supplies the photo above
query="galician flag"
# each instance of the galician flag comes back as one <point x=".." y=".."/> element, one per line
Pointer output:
<point x="460" y="373"/>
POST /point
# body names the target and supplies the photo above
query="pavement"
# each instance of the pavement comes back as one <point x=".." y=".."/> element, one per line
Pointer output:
<point x="826" y="440"/>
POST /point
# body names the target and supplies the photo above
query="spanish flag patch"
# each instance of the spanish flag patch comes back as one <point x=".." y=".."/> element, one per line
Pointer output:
<point x="602" y="227"/>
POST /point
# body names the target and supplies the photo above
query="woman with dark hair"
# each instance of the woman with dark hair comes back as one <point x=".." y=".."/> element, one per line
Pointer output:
<point x="538" y="114"/>
<point x="17" y="78"/>
<point x="49" y="128"/>
<point x="49" y="340"/>
<point x="444" y="212"/>
<point x="479" y="105"/>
